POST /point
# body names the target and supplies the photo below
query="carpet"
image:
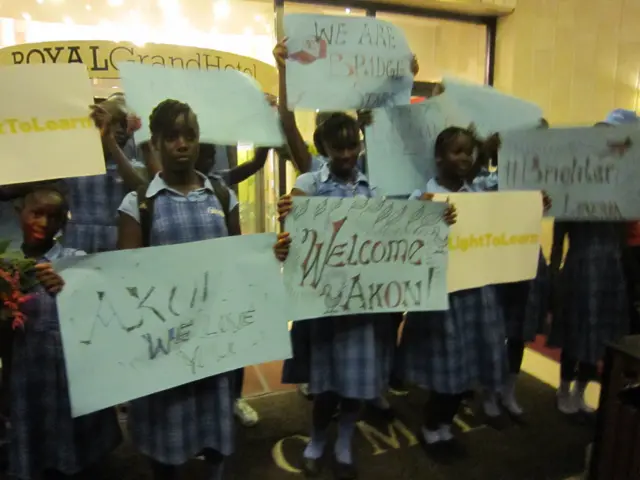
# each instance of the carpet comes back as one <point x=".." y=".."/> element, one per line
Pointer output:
<point x="548" y="447"/>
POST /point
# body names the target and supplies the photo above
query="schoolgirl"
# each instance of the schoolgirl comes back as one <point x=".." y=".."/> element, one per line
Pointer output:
<point x="347" y="358"/>
<point x="450" y="353"/>
<point x="181" y="205"/>
<point x="94" y="200"/>
<point x="525" y="306"/>
<point x="302" y="155"/>
<point x="45" y="442"/>
<point x="591" y="307"/>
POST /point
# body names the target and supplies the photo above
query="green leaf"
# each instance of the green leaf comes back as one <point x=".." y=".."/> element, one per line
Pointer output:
<point x="4" y="245"/>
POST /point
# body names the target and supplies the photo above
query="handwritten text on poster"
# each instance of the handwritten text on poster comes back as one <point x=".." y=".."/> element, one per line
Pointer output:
<point x="589" y="173"/>
<point x="351" y="256"/>
<point x="136" y="322"/>
<point x="339" y="63"/>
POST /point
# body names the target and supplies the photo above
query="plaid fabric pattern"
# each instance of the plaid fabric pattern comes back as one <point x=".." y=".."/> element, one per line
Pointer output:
<point x="43" y="434"/>
<point x="592" y="308"/>
<point x="526" y="304"/>
<point x="177" y="424"/>
<point x="457" y="350"/>
<point x="349" y="355"/>
<point x="93" y="203"/>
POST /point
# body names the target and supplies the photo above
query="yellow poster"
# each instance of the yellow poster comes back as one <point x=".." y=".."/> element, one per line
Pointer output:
<point x="45" y="129"/>
<point x="101" y="58"/>
<point x="495" y="240"/>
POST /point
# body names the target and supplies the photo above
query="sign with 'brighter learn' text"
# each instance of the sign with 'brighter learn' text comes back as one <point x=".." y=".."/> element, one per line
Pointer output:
<point x="45" y="129"/>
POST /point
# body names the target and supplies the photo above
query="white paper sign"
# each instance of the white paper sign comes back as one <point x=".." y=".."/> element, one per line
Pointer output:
<point x="230" y="105"/>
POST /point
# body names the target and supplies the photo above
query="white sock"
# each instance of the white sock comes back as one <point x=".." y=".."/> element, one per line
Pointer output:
<point x="445" y="433"/>
<point x="565" y="388"/>
<point x="509" y="395"/>
<point x="566" y="402"/>
<point x="578" y="397"/>
<point x="490" y="405"/>
<point x="431" y="436"/>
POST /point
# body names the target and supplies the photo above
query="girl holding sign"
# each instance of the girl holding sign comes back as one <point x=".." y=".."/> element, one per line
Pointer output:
<point x="349" y="358"/>
<point x="94" y="199"/>
<point x="451" y="353"/>
<point x="181" y="205"/>
<point x="45" y="442"/>
<point x="590" y="307"/>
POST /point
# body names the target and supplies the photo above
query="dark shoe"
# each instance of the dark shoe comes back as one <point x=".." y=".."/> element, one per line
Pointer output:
<point x="312" y="467"/>
<point x="345" y="471"/>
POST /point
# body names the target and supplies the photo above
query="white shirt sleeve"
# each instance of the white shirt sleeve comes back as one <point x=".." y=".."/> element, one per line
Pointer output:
<point x="415" y="195"/>
<point x="307" y="183"/>
<point x="129" y="206"/>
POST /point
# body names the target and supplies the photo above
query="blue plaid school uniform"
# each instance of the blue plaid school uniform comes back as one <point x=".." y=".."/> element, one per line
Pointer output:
<point x="43" y="435"/>
<point x="525" y="304"/>
<point x="454" y="351"/>
<point x="592" y="307"/>
<point x="350" y="355"/>
<point x="177" y="424"/>
<point x="93" y="206"/>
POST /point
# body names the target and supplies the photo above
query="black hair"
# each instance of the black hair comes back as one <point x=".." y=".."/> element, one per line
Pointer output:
<point x="603" y="124"/>
<point x="338" y="131"/>
<point x="164" y="116"/>
<point x="207" y="150"/>
<point x="447" y="136"/>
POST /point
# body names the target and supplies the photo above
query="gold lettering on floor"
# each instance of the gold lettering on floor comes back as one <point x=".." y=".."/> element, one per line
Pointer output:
<point x="374" y="436"/>
<point x="278" y="454"/>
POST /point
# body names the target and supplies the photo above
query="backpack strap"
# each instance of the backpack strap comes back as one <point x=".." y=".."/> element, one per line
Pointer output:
<point x="145" y="207"/>
<point x="224" y="197"/>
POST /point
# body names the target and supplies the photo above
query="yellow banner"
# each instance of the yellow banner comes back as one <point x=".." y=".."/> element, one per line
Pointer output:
<point x="101" y="58"/>
<point x="495" y="240"/>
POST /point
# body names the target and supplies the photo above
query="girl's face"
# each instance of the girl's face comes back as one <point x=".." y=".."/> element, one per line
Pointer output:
<point x="458" y="158"/>
<point x="343" y="154"/>
<point x="42" y="217"/>
<point x="179" y="147"/>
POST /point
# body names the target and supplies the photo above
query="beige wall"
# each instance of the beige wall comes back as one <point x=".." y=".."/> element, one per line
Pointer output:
<point x="577" y="59"/>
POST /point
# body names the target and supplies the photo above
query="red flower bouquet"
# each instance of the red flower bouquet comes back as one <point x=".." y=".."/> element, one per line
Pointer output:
<point x="17" y="277"/>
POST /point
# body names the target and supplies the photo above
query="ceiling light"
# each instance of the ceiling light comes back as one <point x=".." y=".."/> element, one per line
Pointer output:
<point x="88" y="7"/>
<point x="26" y="16"/>
<point x="222" y="9"/>
<point x="347" y="10"/>
<point x="67" y="20"/>
<point x="40" y="2"/>
<point x="115" y="3"/>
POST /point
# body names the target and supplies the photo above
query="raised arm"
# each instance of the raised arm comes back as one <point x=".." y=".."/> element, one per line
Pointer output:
<point x="240" y="173"/>
<point x="300" y="155"/>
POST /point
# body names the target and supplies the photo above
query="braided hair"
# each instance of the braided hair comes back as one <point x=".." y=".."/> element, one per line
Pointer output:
<point x="338" y="131"/>
<point x="164" y="116"/>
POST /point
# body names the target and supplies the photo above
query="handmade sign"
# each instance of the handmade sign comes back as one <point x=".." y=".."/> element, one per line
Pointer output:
<point x="135" y="322"/>
<point x="230" y="105"/>
<point x="490" y="110"/>
<point x="401" y="141"/>
<point x="495" y="240"/>
<point x="44" y="117"/>
<point x="354" y="256"/>
<point x="589" y="173"/>
<point x="344" y="63"/>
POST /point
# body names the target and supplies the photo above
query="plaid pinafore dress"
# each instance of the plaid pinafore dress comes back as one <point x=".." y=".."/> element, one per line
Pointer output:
<point x="592" y="307"/>
<point x="43" y="435"/>
<point x="93" y="207"/>
<point x="176" y="425"/>
<point x="457" y="350"/>
<point x="526" y="304"/>
<point x="350" y="355"/>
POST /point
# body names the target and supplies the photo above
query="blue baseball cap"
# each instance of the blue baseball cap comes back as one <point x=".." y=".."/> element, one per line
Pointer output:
<point x="620" y="116"/>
